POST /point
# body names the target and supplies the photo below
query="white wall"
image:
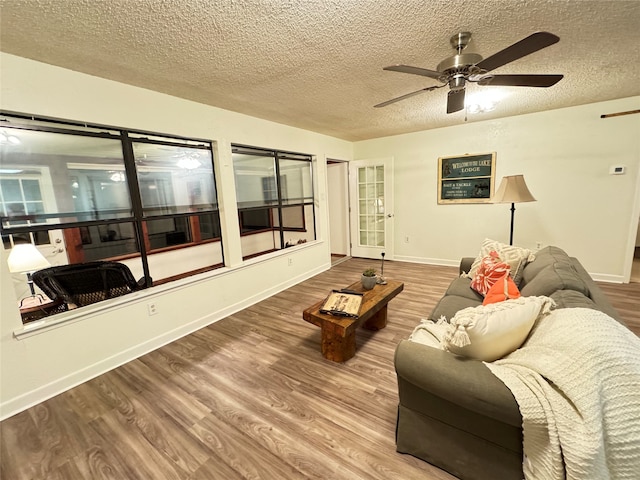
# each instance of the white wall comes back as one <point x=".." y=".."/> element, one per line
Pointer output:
<point x="40" y="365"/>
<point x="565" y="157"/>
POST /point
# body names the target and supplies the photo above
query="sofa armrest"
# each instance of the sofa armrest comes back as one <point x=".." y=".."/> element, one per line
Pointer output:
<point x="462" y="381"/>
<point x="465" y="264"/>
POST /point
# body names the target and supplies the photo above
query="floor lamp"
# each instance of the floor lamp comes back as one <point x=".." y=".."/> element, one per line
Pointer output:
<point x="513" y="189"/>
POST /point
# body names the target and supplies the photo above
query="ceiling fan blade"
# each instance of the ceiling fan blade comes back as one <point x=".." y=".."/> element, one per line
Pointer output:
<point x="455" y="100"/>
<point x="533" y="43"/>
<point x="397" y="99"/>
<point x="414" y="70"/>
<point x="521" y="80"/>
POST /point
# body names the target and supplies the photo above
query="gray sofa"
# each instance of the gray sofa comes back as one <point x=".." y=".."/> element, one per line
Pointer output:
<point x="453" y="412"/>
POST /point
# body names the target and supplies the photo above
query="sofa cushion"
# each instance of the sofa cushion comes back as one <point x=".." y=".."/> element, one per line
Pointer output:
<point x="450" y="304"/>
<point x="461" y="287"/>
<point x="572" y="299"/>
<point x="557" y="276"/>
<point x="545" y="257"/>
<point x="490" y="332"/>
<point x="516" y="257"/>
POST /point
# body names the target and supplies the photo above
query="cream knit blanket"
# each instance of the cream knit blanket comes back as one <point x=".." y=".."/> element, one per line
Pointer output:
<point x="577" y="383"/>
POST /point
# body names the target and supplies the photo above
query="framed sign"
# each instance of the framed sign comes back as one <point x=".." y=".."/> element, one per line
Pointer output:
<point x="466" y="178"/>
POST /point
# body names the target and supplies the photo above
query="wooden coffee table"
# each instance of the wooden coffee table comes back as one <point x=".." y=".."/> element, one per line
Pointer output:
<point x="339" y="333"/>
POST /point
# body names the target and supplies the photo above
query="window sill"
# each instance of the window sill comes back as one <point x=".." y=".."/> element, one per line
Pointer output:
<point x="67" y="318"/>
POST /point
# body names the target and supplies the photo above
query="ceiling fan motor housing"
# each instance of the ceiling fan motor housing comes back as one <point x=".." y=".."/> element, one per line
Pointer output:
<point x="459" y="63"/>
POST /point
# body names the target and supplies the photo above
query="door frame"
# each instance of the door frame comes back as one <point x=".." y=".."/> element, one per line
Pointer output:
<point x="370" y="251"/>
<point x="334" y="192"/>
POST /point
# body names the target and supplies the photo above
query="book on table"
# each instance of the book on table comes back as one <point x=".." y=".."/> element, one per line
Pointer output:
<point x="342" y="303"/>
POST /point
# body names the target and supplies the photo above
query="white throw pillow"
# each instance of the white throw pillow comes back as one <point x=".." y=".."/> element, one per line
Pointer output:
<point x="516" y="257"/>
<point x="489" y="332"/>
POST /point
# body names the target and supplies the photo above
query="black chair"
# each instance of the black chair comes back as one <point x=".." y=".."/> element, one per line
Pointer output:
<point x="86" y="283"/>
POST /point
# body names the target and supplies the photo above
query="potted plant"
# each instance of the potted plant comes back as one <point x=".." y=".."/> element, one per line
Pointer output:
<point x="369" y="278"/>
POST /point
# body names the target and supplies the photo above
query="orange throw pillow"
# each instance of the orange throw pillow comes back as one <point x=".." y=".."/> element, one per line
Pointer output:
<point x="503" y="289"/>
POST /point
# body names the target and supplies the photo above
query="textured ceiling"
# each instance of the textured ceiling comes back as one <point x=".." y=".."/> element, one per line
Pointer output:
<point x="317" y="64"/>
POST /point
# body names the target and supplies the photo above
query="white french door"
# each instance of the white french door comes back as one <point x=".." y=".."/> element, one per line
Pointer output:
<point x="371" y="199"/>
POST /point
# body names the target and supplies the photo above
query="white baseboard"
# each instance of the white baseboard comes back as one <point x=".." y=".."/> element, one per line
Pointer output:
<point x="428" y="261"/>
<point x="605" y="277"/>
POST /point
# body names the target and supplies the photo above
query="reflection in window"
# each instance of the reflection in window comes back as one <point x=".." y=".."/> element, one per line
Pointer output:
<point x="101" y="242"/>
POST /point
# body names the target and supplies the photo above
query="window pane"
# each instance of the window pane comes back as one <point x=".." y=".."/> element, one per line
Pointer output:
<point x="255" y="219"/>
<point x="103" y="242"/>
<point x="167" y="232"/>
<point x="209" y="226"/>
<point x="31" y="190"/>
<point x="37" y="238"/>
<point x="174" y="179"/>
<point x="255" y="178"/>
<point x="70" y="174"/>
<point x="297" y="177"/>
<point x="11" y="191"/>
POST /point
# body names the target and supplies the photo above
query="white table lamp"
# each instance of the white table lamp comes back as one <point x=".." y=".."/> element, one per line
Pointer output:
<point x="26" y="258"/>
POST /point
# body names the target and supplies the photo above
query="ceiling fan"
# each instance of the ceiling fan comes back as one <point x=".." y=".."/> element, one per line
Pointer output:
<point x="461" y="68"/>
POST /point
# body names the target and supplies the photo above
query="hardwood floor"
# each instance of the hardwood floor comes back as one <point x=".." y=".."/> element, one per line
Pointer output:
<point x="247" y="397"/>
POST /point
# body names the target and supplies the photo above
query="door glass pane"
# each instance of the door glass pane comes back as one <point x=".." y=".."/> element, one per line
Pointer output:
<point x="371" y="206"/>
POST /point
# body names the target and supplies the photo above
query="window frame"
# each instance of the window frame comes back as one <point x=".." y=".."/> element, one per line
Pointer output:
<point x="71" y="230"/>
<point x="281" y="201"/>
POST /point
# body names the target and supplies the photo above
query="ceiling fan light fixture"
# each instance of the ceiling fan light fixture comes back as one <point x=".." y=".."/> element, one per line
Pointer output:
<point x="481" y="107"/>
<point x="117" y="177"/>
<point x="189" y="163"/>
<point x="484" y="101"/>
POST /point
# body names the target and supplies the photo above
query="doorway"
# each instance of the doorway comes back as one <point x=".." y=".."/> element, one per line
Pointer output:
<point x="338" y="200"/>
<point x="635" y="267"/>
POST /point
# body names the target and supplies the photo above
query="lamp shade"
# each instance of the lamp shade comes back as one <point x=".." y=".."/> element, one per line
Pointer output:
<point x="26" y="258"/>
<point x="513" y="189"/>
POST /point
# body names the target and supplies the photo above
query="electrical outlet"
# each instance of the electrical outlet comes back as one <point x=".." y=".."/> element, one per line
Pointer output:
<point x="538" y="245"/>
<point x="152" y="308"/>
<point x="290" y="261"/>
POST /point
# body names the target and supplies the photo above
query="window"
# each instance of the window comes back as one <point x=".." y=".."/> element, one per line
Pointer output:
<point x="21" y="196"/>
<point x="141" y="198"/>
<point x="274" y="191"/>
